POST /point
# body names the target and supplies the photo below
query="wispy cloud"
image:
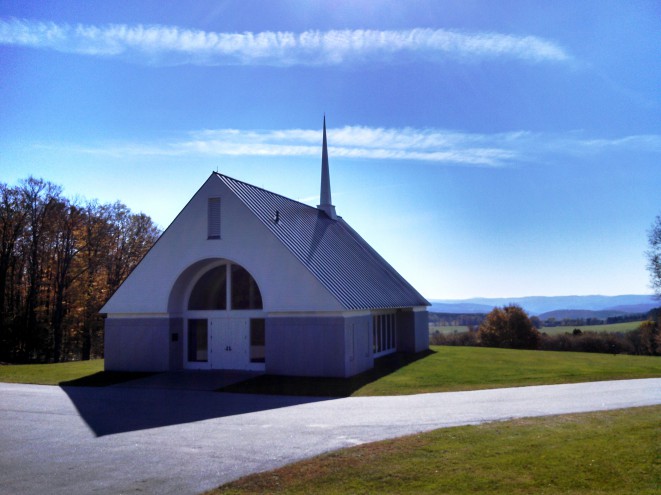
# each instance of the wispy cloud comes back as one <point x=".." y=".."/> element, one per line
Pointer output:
<point x="442" y="147"/>
<point x="175" y="45"/>
<point x="356" y="142"/>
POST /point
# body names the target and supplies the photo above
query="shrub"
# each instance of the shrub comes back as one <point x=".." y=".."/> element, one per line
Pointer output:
<point x="608" y="343"/>
<point x="646" y="339"/>
<point x="467" y="339"/>
<point x="509" y="326"/>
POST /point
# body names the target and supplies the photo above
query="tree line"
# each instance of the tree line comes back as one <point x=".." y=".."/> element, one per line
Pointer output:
<point x="60" y="260"/>
<point x="476" y="319"/>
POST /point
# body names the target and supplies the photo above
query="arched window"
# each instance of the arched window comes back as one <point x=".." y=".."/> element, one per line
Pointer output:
<point x="245" y="293"/>
<point x="210" y="291"/>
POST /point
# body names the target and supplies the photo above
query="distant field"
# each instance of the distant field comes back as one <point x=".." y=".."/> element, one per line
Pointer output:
<point x="615" y="327"/>
<point x="448" y="329"/>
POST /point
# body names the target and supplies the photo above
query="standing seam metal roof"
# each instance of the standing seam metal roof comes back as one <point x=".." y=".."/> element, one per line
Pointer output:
<point x="349" y="268"/>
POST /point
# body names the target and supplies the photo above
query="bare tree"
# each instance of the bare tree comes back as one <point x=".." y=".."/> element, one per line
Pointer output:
<point x="654" y="255"/>
<point x="12" y="225"/>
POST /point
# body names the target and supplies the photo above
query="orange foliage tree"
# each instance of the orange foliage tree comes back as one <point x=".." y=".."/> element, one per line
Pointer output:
<point x="60" y="260"/>
<point x="510" y="327"/>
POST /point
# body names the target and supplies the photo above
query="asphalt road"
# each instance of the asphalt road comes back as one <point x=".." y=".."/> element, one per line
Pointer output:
<point x="131" y="440"/>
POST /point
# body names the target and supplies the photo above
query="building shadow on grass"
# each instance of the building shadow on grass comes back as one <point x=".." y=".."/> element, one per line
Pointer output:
<point x="120" y="403"/>
<point x="324" y="387"/>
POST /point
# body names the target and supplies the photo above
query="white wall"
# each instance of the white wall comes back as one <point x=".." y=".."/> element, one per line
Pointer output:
<point x="284" y="283"/>
<point x="358" y="344"/>
<point x="305" y="346"/>
<point x="137" y="344"/>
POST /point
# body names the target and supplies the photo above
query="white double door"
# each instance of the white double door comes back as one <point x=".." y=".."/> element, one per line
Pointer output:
<point x="229" y="343"/>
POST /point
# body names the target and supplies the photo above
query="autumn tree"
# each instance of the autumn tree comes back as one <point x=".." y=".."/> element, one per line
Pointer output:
<point x="510" y="327"/>
<point x="60" y="260"/>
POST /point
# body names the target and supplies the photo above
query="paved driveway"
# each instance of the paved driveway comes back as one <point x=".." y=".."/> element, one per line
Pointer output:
<point x="128" y="440"/>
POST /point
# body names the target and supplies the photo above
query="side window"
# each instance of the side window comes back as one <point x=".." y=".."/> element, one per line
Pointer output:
<point x="257" y="340"/>
<point x="197" y="341"/>
<point x="213" y="218"/>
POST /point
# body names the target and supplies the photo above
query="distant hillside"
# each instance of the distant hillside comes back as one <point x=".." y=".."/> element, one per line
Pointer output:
<point x="537" y="305"/>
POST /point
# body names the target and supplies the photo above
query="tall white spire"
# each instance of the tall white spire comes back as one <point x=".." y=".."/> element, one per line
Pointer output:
<point x="325" y="195"/>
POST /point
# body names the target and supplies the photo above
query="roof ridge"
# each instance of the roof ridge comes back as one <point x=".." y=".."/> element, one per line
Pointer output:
<point x="264" y="190"/>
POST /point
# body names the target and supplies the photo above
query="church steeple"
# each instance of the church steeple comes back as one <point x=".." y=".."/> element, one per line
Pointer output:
<point x="325" y="194"/>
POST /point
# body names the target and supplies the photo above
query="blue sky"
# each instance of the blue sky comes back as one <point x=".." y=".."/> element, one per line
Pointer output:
<point x="493" y="149"/>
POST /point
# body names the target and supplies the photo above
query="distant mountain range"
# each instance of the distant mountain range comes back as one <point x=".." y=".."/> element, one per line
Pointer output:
<point x="538" y="305"/>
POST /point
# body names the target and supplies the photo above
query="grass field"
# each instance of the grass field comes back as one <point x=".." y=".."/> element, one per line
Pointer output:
<point x="464" y="368"/>
<point x="442" y="369"/>
<point x="614" y="452"/>
<point x="74" y="373"/>
<point x="49" y="374"/>
<point x="615" y="327"/>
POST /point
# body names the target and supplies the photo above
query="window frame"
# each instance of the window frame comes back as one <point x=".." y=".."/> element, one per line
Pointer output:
<point x="384" y="333"/>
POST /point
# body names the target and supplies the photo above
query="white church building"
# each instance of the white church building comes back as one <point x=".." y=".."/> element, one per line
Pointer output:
<point x="246" y="279"/>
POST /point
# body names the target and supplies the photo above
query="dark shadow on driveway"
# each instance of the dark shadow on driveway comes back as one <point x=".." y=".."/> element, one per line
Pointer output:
<point x="120" y="409"/>
<point x="104" y="379"/>
<point x="123" y="403"/>
<point x="325" y="387"/>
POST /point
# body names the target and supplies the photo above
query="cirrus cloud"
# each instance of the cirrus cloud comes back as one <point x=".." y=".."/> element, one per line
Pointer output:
<point x="155" y="44"/>
<point x="434" y="146"/>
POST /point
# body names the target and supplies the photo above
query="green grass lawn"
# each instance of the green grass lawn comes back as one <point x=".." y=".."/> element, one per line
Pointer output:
<point x="463" y="368"/>
<point x="49" y="374"/>
<point x="471" y="368"/>
<point x="615" y="327"/>
<point x="442" y="369"/>
<point x="614" y="452"/>
<point x="74" y="373"/>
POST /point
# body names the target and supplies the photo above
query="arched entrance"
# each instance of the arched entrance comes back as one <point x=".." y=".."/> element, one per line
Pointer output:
<point x="224" y="324"/>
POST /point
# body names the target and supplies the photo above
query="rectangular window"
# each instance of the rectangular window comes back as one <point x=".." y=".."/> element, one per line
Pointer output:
<point x="213" y="218"/>
<point x="384" y="334"/>
<point x="197" y="341"/>
<point x="257" y="340"/>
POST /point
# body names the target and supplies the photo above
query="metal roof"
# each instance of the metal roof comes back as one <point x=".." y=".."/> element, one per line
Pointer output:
<point x="330" y="249"/>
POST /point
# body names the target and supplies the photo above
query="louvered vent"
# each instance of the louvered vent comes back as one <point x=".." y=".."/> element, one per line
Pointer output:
<point x="213" y="218"/>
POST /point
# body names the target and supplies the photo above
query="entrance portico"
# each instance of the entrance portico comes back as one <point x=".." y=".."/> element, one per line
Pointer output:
<point x="224" y="320"/>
